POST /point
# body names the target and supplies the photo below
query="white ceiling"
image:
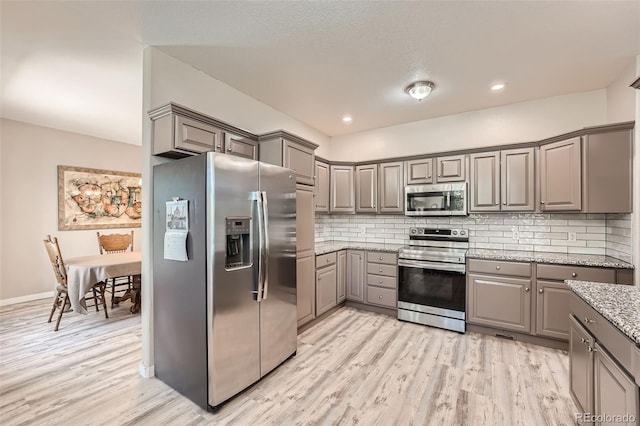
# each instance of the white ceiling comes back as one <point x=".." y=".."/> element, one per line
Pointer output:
<point x="77" y="66"/>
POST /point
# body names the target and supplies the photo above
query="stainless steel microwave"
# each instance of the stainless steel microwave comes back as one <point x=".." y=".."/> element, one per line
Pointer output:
<point x="449" y="199"/>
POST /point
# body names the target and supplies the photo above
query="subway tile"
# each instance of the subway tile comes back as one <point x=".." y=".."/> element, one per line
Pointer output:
<point x="591" y="237"/>
<point x="535" y="241"/>
<point x="550" y="222"/>
<point x="490" y="246"/>
<point x="551" y="235"/>
<point x="499" y="228"/>
<point x="500" y="240"/>
<point x="587" y="223"/>
<point x="552" y="249"/>
<point x="597" y="229"/>
<point x="568" y="243"/>
<point x="568" y="216"/>
<point x="619" y="239"/>
<point x="489" y="233"/>
<point x="582" y="250"/>
<point x="568" y="229"/>
<point x="592" y="243"/>
<point x="534" y="228"/>
<point x="520" y="247"/>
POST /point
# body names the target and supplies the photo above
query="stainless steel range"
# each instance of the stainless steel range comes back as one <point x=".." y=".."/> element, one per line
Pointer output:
<point x="432" y="278"/>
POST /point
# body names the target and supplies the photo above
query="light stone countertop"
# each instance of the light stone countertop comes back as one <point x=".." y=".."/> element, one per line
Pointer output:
<point x="620" y="304"/>
<point x="555" y="258"/>
<point x="331" y="246"/>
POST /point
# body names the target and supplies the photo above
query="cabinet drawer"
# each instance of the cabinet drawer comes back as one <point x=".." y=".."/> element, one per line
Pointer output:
<point x="382" y="281"/>
<point x="381" y="296"/>
<point x="500" y="267"/>
<point x="606" y="333"/>
<point x="325" y="260"/>
<point x="379" y="269"/>
<point x="568" y="272"/>
<point x="382" y="257"/>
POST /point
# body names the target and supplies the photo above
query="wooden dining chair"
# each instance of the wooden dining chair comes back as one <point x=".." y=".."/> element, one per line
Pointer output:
<point x="61" y="299"/>
<point x="116" y="243"/>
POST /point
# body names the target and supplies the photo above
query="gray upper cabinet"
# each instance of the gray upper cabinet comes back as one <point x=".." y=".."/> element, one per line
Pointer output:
<point x="502" y="180"/>
<point x="451" y="168"/>
<point x="607" y="172"/>
<point x="561" y="176"/>
<point x="287" y="150"/>
<point x="322" y="187"/>
<point x="240" y="146"/>
<point x="390" y="188"/>
<point x="193" y="136"/>
<point x="367" y="188"/>
<point x="419" y="171"/>
<point x="342" y="199"/>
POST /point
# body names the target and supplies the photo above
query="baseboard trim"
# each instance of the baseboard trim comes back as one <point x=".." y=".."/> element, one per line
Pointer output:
<point x="27" y="298"/>
<point x="146" y="372"/>
<point x="526" y="338"/>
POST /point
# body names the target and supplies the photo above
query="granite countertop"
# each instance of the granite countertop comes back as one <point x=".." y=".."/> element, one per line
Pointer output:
<point x="620" y="304"/>
<point x="543" y="257"/>
<point x="331" y="246"/>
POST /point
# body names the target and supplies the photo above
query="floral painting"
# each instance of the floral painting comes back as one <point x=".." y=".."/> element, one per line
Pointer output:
<point x="97" y="199"/>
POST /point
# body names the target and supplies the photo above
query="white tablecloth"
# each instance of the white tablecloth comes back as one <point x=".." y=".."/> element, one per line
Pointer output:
<point x="84" y="272"/>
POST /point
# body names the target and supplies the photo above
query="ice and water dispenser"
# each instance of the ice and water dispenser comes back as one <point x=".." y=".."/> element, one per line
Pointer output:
<point x="238" y="242"/>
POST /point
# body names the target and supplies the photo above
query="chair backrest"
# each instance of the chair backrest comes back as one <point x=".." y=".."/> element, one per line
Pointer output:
<point x="115" y="243"/>
<point x="53" y="250"/>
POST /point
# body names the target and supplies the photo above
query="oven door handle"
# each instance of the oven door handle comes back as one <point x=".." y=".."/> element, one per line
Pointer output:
<point x="452" y="267"/>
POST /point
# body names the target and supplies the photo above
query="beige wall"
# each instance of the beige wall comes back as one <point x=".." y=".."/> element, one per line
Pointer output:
<point x="621" y="98"/>
<point x="522" y="122"/>
<point x="29" y="156"/>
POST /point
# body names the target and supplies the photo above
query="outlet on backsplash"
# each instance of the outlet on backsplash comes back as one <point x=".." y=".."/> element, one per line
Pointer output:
<point x="514" y="233"/>
<point x="363" y="230"/>
<point x="572" y="236"/>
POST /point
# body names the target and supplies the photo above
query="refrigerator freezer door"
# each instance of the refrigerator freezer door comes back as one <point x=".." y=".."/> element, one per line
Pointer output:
<point x="233" y="314"/>
<point x="278" y="330"/>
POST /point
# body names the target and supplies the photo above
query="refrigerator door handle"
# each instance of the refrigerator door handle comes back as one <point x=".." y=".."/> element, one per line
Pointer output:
<point x="258" y="198"/>
<point x="265" y="211"/>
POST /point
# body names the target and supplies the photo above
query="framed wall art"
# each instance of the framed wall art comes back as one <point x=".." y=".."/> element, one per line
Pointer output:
<point x="98" y="199"/>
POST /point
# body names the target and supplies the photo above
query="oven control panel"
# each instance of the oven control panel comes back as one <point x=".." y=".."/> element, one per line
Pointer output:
<point x="442" y="233"/>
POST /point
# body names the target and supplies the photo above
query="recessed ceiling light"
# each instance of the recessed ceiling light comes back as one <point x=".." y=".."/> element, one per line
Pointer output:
<point x="497" y="86"/>
<point x="420" y="89"/>
<point x="347" y="119"/>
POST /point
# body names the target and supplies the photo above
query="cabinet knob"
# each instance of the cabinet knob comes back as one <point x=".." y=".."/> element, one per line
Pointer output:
<point x="327" y="260"/>
<point x="588" y="320"/>
<point x="380" y="282"/>
<point x="497" y="203"/>
<point x="573" y="274"/>
<point x="592" y="349"/>
<point x="504" y="203"/>
<point x="380" y="270"/>
<point x="229" y="149"/>
<point x="541" y="202"/>
<point x="218" y="147"/>
<point x="541" y="291"/>
<point x="380" y="258"/>
<point x="583" y="340"/>
<point x="498" y="267"/>
<point x="526" y="289"/>
<point x="380" y="297"/>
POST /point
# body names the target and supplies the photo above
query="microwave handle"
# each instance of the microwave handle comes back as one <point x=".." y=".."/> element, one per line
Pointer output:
<point x="448" y="200"/>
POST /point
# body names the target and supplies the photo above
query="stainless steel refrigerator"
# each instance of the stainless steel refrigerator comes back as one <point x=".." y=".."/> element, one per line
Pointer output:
<point x="227" y="316"/>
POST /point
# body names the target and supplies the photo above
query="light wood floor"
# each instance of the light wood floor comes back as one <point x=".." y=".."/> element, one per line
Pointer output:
<point x="355" y="367"/>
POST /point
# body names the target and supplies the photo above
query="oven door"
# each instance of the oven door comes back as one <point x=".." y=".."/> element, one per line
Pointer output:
<point x="424" y="285"/>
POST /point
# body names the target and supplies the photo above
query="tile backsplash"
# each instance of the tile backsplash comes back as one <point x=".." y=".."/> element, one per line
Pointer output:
<point x="599" y="234"/>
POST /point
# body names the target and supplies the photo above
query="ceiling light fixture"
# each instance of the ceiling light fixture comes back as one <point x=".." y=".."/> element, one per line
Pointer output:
<point x="497" y="86"/>
<point x="347" y="119"/>
<point x="420" y="89"/>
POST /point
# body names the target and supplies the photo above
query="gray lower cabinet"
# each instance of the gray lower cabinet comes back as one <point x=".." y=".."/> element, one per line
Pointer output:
<point x="601" y="368"/>
<point x="561" y="176"/>
<point x="552" y="307"/>
<point x="499" y="301"/>
<point x="322" y="187"/>
<point x="326" y="282"/>
<point x="382" y="279"/>
<point x="341" y="271"/>
<point x="355" y="275"/>
<point x="306" y="293"/>
<point x="341" y="194"/>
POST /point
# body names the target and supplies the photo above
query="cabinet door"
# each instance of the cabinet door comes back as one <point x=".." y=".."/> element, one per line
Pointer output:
<point x="419" y="171"/>
<point x="322" y="187"/>
<point x="342" y="199"/>
<point x="325" y="289"/>
<point x="608" y="165"/>
<point x="615" y="393"/>
<point x="485" y="182"/>
<point x="240" y="146"/>
<point x="305" y="286"/>
<point x="367" y="188"/>
<point x="500" y="302"/>
<point x="517" y="180"/>
<point x="580" y="366"/>
<point x="305" y="221"/>
<point x="450" y="169"/>
<point x="560" y="176"/>
<point x="195" y="136"/>
<point x="552" y="309"/>
<point x="390" y="188"/>
<point x="355" y="275"/>
<point x="300" y="159"/>
<point x="341" y="279"/>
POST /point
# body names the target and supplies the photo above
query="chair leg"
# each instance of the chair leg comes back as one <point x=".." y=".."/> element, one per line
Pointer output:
<point x="64" y="302"/>
<point x="55" y="304"/>
<point x="113" y="292"/>
<point x="95" y="299"/>
<point x="103" y="287"/>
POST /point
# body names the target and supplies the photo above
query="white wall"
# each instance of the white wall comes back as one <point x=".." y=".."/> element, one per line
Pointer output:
<point x="635" y="217"/>
<point x="621" y="99"/>
<point x="29" y="158"/>
<point x="523" y="122"/>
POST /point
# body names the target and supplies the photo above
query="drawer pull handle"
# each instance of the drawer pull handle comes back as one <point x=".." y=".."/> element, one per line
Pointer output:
<point x="526" y="289"/>
<point x="498" y="267"/>
<point x="380" y="297"/>
<point x="380" y="258"/>
<point x="573" y="274"/>
<point x="541" y="291"/>
<point x="380" y="270"/>
<point x="588" y="321"/>
<point x="380" y="282"/>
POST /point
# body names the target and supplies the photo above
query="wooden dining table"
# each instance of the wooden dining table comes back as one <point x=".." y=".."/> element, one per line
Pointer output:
<point x="86" y="271"/>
